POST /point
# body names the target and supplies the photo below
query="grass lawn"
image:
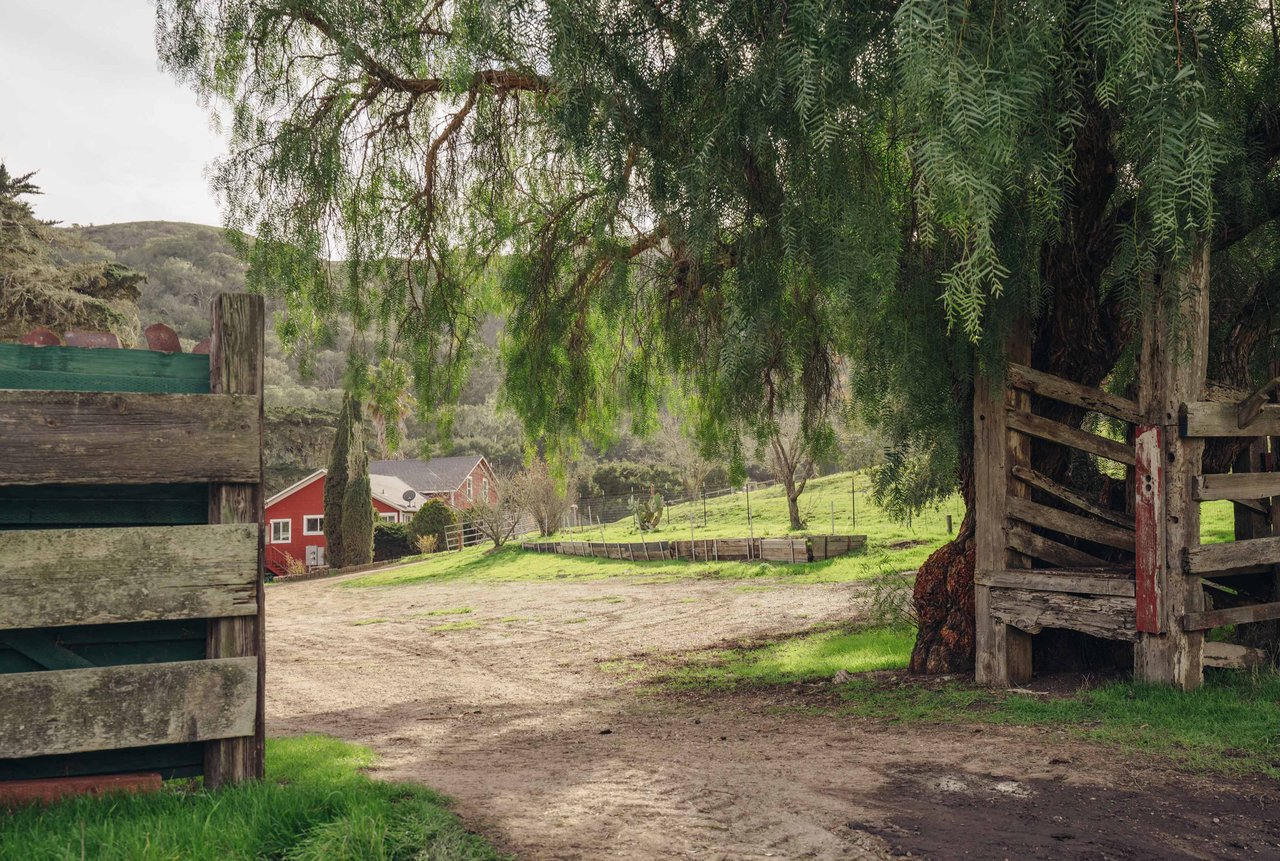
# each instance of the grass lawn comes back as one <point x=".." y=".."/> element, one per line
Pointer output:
<point x="315" y="805"/>
<point x="1230" y="726"/>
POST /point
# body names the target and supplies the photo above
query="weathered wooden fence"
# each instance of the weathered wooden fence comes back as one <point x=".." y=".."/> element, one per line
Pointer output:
<point x="131" y="631"/>
<point x="789" y="550"/>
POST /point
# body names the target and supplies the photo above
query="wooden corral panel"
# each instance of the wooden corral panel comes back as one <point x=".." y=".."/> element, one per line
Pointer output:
<point x="1086" y="397"/>
<point x="102" y="708"/>
<point x="1237" y="485"/>
<point x="1210" y="559"/>
<point x="1072" y="437"/>
<point x="1213" y="419"/>
<point x="1110" y="617"/>
<point x="53" y="577"/>
<point x="125" y="438"/>
<point x="1084" y="581"/>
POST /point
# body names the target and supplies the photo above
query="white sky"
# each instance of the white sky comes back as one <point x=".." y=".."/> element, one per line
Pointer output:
<point x="85" y="103"/>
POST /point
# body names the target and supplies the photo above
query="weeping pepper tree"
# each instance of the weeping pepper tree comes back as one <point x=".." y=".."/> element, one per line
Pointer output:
<point x="732" y="196"/>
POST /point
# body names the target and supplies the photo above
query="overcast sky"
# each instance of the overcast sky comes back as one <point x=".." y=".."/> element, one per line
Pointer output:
<point x="85" y="104"/>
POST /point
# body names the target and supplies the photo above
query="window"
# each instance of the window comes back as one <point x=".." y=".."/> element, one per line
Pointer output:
<point x="281" y="531"/>
<point x="469" y="487"/>
<point x="390" y="517"/>
<point x="484" y="489"/>
<point x="313" y="524"/>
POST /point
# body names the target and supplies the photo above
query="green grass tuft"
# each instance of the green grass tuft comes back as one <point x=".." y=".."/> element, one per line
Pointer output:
<point x="359" y="622"/>
<point x="315" y="805"/>
<point x="461" y="625"/>
<point x="451" y="611"/>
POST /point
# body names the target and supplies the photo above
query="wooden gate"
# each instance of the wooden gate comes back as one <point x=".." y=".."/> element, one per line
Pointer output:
<point x="131" y="557"/>
<point x="1052" y="556"/>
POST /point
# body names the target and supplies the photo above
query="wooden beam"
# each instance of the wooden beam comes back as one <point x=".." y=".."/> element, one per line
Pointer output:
<point x="1210" y="419"/>
<point x="990" y="458"/>
<point x="236" y="358"/>
<point x="1110" y="617"/>
<point x="1047" y="550"/>
<point x="1074" y="525"/>
<point x="50" y="789"/>
<point x="1207" y="619"/>
<point x="106" y="708"/>
<point x="1050" y="580"/>
<point x="1071" y="497"/>
<point x="1091" y="443"/>
<point x="51" y="577"/>
<point x="1250" y="407"/>
<point x="1149" y="546"/>
<point x="1240" y="486"/>
<point x="1210" y="559"/>
<point x="126" y="438"/>
<point x="1232" y="656"/>
<point x="1077" y="394"/>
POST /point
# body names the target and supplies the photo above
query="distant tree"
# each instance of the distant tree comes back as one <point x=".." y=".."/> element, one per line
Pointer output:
<point x="542" y="496"/>
<point x="335" y="486"/>
<point x="792" y="462"/>
<point x="357" y="501"/>
<point x="434" y="518"/>
<point x="683" y="453"/>
<point x="497" y="517"/>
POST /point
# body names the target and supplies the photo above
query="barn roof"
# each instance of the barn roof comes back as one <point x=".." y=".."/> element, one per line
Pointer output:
<point x="438" y="475"/>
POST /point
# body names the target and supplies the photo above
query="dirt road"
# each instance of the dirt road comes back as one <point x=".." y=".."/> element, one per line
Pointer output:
<point x="507" y="709"/>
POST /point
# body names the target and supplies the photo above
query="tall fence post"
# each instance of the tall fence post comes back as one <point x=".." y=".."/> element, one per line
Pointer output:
<point x="235" y="367"/>
<point x="853" y="500"/>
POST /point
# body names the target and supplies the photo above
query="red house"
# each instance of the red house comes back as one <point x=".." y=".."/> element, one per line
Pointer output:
<point x="295" y="515"/>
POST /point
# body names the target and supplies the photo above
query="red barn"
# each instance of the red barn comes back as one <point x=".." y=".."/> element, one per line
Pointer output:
<point x="295" y="515"/>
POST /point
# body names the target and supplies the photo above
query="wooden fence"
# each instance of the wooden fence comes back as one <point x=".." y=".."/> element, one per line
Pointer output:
<point x="787" y="550"/>
<point x="131" y="627"/>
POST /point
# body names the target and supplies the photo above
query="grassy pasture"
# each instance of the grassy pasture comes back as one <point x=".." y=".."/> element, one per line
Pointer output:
<point x="315" y="805"/>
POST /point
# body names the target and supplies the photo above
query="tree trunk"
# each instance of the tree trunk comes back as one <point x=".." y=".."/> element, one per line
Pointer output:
<point x="793" y="507"/>
<point x="943" y="599"/>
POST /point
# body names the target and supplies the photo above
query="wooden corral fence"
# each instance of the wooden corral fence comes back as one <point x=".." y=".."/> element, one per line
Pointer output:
<point x="1050" y="555"/>
<point x="131" y="627"/>
<point x="788" y="550"/>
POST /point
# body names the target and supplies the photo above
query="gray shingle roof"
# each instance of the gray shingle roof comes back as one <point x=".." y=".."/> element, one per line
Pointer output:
<point x="438" y="475"/>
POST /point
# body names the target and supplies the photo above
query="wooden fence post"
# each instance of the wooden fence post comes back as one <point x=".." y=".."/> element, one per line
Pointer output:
<point x="235" y="367"/>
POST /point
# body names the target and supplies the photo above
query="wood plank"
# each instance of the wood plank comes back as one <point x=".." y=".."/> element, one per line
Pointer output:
<point x="1057" y="432"/>
<point x="1209" y="559"/>
<point x="105" y="708"/>
<point x="127" y="438"/>
<point x="1053" y="552"/>
<point x="236" y="359"/>
<point x="1149" y="553"/>
<point x="1065" y="522"/>
<point x="1058" y="581"/>
<point x="1251" y="407"/>
<point x="1069" y="496"/>
<point x="1206" y="619"/>
<point x="50" y="789"/>
<point x="1077" y="394"/>
<point x="990" y="467"/>
<point x="51" y="577"/>
<point x="1242" y="486"/>
<point x="1211" y="419"/>
<point x="1232" y="656"/>
<point x="1110" y="617"/>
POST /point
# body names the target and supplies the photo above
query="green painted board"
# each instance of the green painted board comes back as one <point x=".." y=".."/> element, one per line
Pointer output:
<point x="74" y="369"/>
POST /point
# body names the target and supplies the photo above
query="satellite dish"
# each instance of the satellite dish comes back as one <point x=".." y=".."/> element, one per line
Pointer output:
<point x="409" y="495"/>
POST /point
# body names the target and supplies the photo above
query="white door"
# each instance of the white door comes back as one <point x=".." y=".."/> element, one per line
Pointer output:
<point x="315" y="556"/>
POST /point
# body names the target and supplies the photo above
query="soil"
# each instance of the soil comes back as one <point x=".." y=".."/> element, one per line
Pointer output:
<point x="553" y="754"/>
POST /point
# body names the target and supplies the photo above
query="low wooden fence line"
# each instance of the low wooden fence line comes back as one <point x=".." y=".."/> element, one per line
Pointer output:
<point x="814" y="548"/>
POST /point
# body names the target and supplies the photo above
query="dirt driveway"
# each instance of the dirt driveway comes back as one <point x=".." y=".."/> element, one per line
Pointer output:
<point x="554" y="758"/>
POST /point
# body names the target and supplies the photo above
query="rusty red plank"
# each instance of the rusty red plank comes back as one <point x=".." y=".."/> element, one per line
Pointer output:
<point x="92" y="340"/>
<point x="202" y="348"/>
<point x="47" y="790"/>
<point x="40" y="337"/>
<point x="1148" y="515"/>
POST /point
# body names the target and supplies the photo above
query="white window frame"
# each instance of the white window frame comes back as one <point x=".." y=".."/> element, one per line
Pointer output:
<point x="288" y="535"/>
<point x="389" y="516"/>
<point x="306" y="531"/>
<point x="470" y="485"/>
<point x="484" y="489"/>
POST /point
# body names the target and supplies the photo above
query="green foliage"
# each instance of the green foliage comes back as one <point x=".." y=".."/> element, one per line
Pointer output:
<point x="648" y="512"/>
<point x="434" y="518"/>
<point x="316" y="803"/>
<point x="391" y="541"/>
<point x="358" y="514"/>
<point x="335" y="485"/>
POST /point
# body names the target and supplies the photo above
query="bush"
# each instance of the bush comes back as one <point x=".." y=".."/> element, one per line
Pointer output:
<point x="426" y="544"/>
<point x="436" y="519"/>
<point x="391" y="541"/>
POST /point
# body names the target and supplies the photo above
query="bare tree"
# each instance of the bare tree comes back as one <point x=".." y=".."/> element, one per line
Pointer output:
<point x="791" y="462"/>
<point x="683" y="454"/>
<point x="497" y="517"/>
<point x="541" y="496"/>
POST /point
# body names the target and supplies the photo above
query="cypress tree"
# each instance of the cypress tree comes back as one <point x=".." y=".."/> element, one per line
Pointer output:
<point x="357" y="504"/>
<point x="335" y="486"/>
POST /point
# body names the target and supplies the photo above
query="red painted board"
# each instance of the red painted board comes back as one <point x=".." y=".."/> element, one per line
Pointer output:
<point x="1148" y="516"/>
<point x="46" y="790"/>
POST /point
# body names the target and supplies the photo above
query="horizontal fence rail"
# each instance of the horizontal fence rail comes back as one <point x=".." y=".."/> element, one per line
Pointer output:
<point x="786" y="550"/>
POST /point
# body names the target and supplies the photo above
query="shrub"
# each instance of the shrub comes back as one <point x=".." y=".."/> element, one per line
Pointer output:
<point x="426" y="544"/>
<point x="435" y="519"/>
<point x="391" y="541"/>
